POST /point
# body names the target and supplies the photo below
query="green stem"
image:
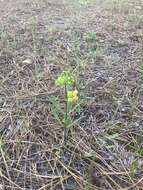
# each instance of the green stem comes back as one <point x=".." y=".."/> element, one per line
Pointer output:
<point x="66" y="114"/>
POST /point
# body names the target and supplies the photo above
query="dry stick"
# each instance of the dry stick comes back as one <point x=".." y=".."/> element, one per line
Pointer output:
<point x="72" y="174"/>
<point x="128" y="173"/>
<point x="46" y="185"/>
<point x="134" y="185"/>
<point x="1" y="175"/>
<point x="5" y="163"/>
<point x="42" y="176"/>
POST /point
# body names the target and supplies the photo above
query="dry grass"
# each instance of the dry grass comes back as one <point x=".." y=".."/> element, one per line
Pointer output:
<point x="38" y="39"/>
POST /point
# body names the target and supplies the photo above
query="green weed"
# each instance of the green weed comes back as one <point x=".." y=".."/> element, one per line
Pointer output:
<point x="90" y="36"/>
<point x="62" y="114"/>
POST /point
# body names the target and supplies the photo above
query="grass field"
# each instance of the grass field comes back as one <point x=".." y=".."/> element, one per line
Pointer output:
<point x="102" y="42"/>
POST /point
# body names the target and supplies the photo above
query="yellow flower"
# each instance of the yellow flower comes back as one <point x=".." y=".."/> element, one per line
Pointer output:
<point x="65" y="78"/>
<point x="60" y="81"/>
<point x="72" y="96"/>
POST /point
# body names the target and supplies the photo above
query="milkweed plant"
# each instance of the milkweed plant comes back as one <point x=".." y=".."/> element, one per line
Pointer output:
<point x="66" y="81"/>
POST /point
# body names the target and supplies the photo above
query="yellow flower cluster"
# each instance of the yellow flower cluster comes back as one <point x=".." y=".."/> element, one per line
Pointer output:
<point x="65" y="78"/>
<point x="72" y="96"/>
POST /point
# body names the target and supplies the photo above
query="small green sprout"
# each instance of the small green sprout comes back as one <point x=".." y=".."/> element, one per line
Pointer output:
<point x="90" y="36"/>
<point x="67" y="80"/>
